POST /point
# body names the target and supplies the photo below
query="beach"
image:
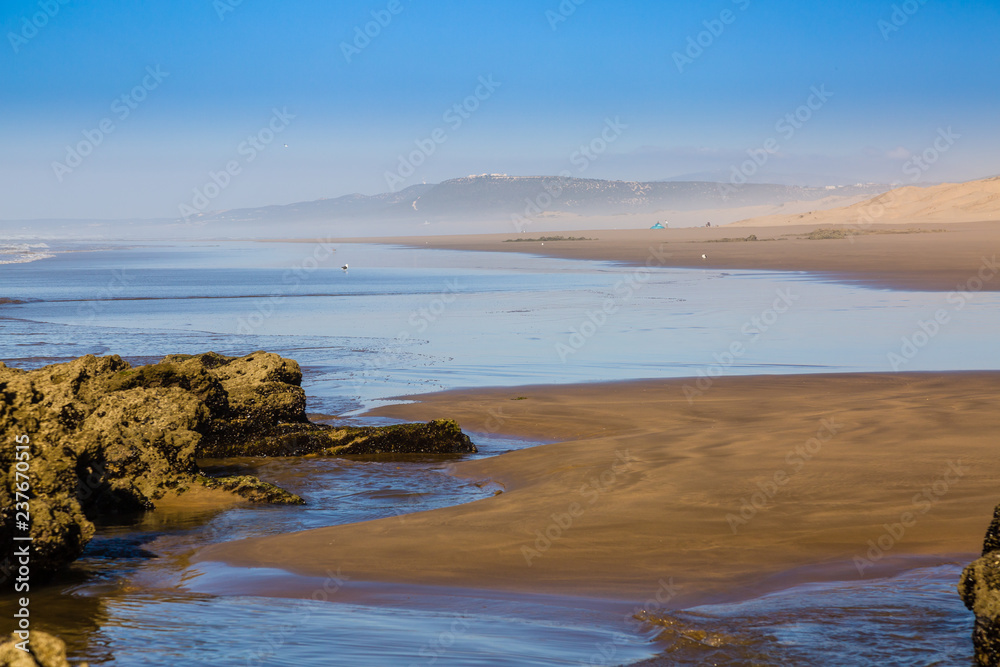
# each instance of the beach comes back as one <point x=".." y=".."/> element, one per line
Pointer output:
<point x="919" y="256"/>
<point x="729" y="485"/>
<point x="800" y="460"/>
<point x="760" y="483"/>
<point x="531" y="335"/>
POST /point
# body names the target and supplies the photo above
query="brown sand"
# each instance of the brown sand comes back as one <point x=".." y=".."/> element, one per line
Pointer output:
<point x="932" y="260"/>
<point x="943" y="204"/>
<point x="197" y="498"/>
<point x="651" y="479"/>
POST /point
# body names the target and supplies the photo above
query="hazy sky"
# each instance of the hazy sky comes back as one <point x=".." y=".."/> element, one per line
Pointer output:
<point x="184" y="85"/>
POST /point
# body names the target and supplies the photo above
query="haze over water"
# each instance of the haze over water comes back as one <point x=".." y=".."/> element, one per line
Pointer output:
<point x="403" y="321"/>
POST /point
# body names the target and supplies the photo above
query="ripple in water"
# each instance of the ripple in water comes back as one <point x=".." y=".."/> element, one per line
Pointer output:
<point x="912" y="619"/>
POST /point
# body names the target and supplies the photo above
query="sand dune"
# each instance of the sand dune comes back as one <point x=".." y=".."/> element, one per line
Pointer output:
<point x="550" y="221"/>
<point x="949" y="202"/>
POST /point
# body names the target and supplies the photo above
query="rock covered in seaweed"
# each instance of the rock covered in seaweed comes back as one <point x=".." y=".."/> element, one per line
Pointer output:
<point x="107" y="438"/>
<point x="253" y="489"/>
<point x="979" y="588"/>
<point x="441" y="436"/>
<point x="260" y="391"/>
<point x="44" y="650"/>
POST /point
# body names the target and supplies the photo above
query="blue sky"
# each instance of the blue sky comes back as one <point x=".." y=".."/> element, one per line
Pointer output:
<point x="897" y="73"/>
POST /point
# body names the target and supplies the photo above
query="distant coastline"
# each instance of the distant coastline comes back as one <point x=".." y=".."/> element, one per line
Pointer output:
<point x="959" y="259"/>
<point x="22" y="253"/>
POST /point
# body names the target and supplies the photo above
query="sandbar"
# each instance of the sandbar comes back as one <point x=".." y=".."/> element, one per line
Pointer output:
<point x="754" y="484"/>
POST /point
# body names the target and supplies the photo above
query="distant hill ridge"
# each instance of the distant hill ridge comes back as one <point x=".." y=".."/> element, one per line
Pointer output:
<point x="499" y="196"/>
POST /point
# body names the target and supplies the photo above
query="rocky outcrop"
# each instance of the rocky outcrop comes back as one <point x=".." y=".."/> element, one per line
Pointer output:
<point x="979" y="588"/>
<point x="992" y="541"/>
<point x="107" y="438"/>
<point x="253" y="489"/>
<point x="249" y="395"/>
<point x="441" y="436"/>
<point x="43" y="650"/>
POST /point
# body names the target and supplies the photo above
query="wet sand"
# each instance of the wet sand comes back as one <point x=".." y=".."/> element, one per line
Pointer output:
<point x="196" y="498"/>
<point x="758" y="483"/>
<point x="881" y="256"/>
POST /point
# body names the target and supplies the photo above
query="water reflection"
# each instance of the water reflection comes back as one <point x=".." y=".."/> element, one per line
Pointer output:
<point x="914" y="619"/>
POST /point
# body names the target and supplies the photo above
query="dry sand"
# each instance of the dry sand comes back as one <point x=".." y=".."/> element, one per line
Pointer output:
<point x="942" y="204"/>
<point x="643" y="487"/>
<point x="555" y="220"/>
<point x="882" y="256"/>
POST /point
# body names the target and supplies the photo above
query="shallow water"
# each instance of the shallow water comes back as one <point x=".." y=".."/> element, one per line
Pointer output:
<point x="133" y="599"/>
<point x="912" y="619"/>
<point x="405" y="321"/>
<point x="402" y="321"/>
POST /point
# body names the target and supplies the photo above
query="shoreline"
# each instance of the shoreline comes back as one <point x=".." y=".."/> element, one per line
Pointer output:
<point x="940" y="257"/>
<point x="641" y="487"/>
<point x="223" y="577"/>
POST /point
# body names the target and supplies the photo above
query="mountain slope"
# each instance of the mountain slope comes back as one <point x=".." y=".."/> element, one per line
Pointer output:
<point x="498" y="197"/>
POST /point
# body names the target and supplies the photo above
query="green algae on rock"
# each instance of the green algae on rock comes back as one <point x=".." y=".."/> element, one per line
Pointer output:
<point x="441" y="436"/>
<point x="253" y="489"/>
<point x="107" y="438"/>
<point x="979" y="589"/>
<point x="43" y="650"/>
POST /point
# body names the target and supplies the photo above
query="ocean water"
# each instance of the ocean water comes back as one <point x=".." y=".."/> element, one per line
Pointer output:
<point x="914" y="619"/>
<point x="401" y="321"/>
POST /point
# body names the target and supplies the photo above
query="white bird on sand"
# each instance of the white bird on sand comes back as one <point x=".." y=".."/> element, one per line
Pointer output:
<point x="704" y="257"/>
<point x="344" y="267"/>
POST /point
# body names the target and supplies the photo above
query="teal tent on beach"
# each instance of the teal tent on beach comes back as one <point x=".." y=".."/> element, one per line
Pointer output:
<point x="657" y="226"/>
